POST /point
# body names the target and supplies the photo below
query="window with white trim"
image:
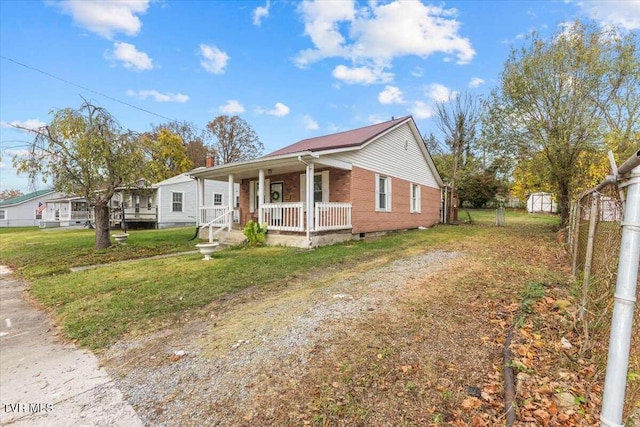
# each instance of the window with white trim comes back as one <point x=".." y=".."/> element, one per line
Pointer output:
<point x="3" y="214"/>
<point x="217" y="199"/>
<point x="176" y="201"/>
<point x="320" y="187"/>
<point x="415" y="198"/>
<point x="383" y="193"/>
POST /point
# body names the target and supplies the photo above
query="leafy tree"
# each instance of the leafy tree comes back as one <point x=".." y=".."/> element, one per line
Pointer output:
<point x="191" y="137"/>
<point x="478" y="188"/>
<point x="10" y="193"/>
<point x="458" y="119"/>
<point x="235" y="139"/>
<point x="559" y="98"/>
<point x="167" y="156"/>
<point x="85" y="152"/>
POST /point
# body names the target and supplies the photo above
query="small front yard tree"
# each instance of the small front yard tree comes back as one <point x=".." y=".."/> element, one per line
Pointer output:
<point x="85" y="152"/>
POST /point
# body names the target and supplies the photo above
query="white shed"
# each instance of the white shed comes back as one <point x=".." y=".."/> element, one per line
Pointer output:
<point x="541" y="202"/>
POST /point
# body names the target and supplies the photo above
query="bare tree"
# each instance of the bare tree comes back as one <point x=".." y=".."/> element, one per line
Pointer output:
<point x="235" y="139"/>
<point x="457" y="119"/>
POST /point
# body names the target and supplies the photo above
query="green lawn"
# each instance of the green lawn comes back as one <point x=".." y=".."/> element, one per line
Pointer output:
<point x="98" y="306"/>
<point x="512" y="217"/>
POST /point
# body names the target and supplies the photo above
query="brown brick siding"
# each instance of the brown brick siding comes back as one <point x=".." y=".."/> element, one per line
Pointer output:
<point x="339" y="189"/>
<point x="365" y="219"/>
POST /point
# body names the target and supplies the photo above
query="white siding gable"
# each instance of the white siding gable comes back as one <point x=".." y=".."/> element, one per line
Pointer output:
<point x="397" y="154"/>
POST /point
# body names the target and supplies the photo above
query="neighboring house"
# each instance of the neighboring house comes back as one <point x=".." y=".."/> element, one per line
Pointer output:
<point x="541" y="203"/>
<point x="27" y="210"/>
<point x="169" y="203"/>
<point x="331" y="188"/>
<point x="66" y="212"/>
<point x="177" y="204"/>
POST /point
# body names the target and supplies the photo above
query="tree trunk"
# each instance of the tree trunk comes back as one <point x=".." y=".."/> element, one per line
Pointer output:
<point x="101" y="214"/>
<point x="565" y="204"/>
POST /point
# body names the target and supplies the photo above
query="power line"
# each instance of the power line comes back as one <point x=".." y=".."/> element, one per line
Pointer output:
<point x="87" y="89"/>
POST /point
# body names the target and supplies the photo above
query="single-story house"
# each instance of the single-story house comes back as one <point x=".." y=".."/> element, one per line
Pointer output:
<point x="66" y="212"/>
<point x="541" y="203"/>
<point x="330" y="188"/>
<point x="168" y="203"/>
<point x="26" y="210"/>
<point x="177" y="204"/>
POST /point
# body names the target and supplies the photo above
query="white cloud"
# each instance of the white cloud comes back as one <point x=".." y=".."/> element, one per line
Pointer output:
<point x="421" y="110"/>
<point x="231" y="107"/>
<point x="157" y="96"/>
<point x="623" y="13"/>
<point x="417" y="72"/>
<point x="213" y="59"/>
<point x="440" y="93"/>
<point x="280" y="110"/>
<point x="24" y="125"/>
<point x="259" y="13"/>
<point x="310" y="123"/>
<point x="476" y="81"/>
<point x="321" y="21"/>
<point x="361" y="75"/>
<point x="338" y="29"/>
<point x="131" y="57"/>
<point x="107" y="17"/>
<point x="390" y="95"/>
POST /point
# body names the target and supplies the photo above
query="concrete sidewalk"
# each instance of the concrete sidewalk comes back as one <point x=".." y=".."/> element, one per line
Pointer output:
<point x="44" y="382"/>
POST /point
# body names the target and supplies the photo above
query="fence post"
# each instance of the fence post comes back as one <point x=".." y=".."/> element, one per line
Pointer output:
<point x="624" y="302"/>
<point x="500" y="216"/>
<point x="575" y="236"/>
<point x="588" y="259"/>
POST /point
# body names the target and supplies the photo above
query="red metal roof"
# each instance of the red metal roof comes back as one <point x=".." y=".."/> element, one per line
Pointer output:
<point x="350" y="138"/>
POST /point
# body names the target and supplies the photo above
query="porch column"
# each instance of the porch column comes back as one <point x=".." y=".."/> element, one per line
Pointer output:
<point x="260" y="196"/>
<point x="310" y="200"/>
<point x="232" y="200"/>
<point x="200" y="200"/>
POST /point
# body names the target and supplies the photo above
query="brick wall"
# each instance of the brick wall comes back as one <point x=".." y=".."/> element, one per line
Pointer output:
<point x="365" y="219"/>
<point x="339" y="189"/>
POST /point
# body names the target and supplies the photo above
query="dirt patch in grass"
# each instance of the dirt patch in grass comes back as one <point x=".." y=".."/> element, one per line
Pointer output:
<point x="411" y="341"/>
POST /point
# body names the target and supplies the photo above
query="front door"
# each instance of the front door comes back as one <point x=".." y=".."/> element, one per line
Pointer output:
<point x="276" y="194"/>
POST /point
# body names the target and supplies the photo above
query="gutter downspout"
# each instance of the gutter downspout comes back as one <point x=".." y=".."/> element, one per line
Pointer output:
<point x="624" y="300"/>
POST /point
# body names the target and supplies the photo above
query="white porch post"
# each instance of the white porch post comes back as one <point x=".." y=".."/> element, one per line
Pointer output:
<point x="231" y="203"/>
<point x="310" y="201"/>
<point x="200" y="200"/>
<point x="260" y="196"/>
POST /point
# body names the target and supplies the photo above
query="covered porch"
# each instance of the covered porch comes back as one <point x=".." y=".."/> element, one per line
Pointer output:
<point x="299" y="198"/>
<point x="65" y="212"/>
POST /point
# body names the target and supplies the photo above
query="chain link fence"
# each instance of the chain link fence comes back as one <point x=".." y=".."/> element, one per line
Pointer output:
<point x="594" y="245"/>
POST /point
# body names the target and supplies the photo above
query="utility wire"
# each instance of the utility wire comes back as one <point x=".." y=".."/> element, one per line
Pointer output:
<point x="87" y="89"/>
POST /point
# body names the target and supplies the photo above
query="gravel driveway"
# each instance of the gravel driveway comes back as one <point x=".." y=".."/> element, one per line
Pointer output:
<point x="190" y="375"/>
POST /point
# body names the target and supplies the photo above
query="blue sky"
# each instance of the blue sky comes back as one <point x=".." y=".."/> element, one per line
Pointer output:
<point x="291" y="69"/>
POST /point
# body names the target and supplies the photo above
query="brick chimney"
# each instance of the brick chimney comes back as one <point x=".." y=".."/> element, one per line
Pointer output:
<point x="210" y="162"/>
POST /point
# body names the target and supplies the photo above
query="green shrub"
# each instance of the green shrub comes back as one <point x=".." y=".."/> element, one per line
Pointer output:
<point x="255" y="232"/>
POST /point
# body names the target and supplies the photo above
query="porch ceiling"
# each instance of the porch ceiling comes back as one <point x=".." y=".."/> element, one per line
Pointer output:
<point x="273" y="166"/>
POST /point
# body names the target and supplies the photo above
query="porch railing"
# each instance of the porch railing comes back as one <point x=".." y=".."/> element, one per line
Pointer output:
<point x="284" y="216"/>
<point x="332" y="216"/>
<point x="66" y="216"/>
<point x="210" y="213"/>
<point x="141" y="213"/>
